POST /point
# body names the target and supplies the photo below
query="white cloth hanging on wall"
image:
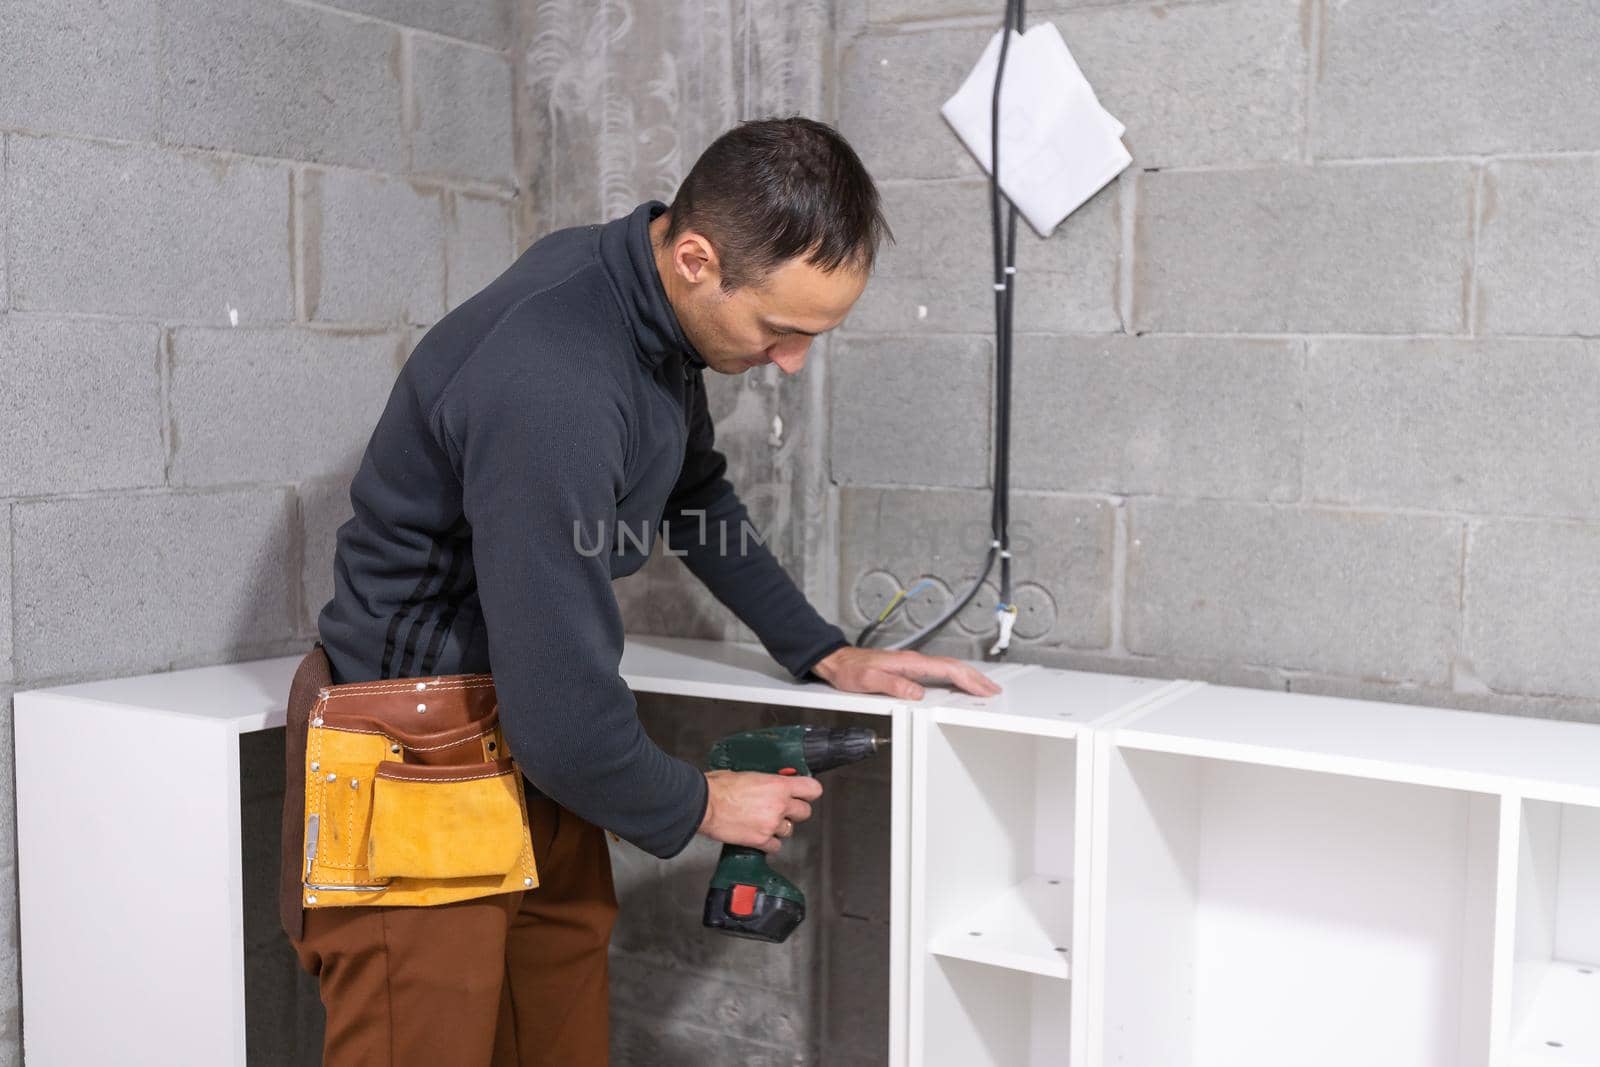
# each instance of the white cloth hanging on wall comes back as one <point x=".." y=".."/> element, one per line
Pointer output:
<point x="1058" y="146"/>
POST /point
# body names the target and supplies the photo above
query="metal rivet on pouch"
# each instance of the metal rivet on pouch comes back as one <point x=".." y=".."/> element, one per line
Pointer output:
<point x="316" y="722"/>
<point x="422" y="707"/>
<point x="316" y="766"/>
<point x="311" y="898"/>
<point x="491" y="746"/>
<point x="528" y="882"/>
<point x="354" y="784"/>
<point x="394" y="748"/>
<point x="421" y="686"/>
<point x="333" y="777"/>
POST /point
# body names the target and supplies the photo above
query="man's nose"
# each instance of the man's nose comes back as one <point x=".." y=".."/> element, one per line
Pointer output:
<point x="791" y="357"/>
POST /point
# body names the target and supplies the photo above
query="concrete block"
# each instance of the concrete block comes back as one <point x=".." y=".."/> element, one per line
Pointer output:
<point x="1419" y="78"/>
<point x="81" y="407"/>
<point x="485" y="21"/>
<point x="1300" y="588"/>
<point x="786" y="48"/>
<point x="1176" y="416"/>
<point x="910" y="410"/>
<point x="938" y="275"/>
<point x="123" y="584"/>
<point x="1197" y="83"/>
<point x="1539" y="247"/>
<point x="275" y="405"/>
<point x="374" y="248"/>
<point x="178" y="235"/>
<point x="282" y="80"/>
<point x="1533" y="620"/>
<point x="1061" y="572"/>
<point x="463" y="104"/>
<point x="1350" y="249"/>
<point x="478" y="245"/>
<point x="79" y="67"/>
<point x="324" y="507"/>
<point x="1477" y="426"/>
<point x="892" y="87"/>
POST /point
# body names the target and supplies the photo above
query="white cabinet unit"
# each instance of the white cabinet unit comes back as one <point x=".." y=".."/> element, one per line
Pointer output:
<point x="1286" y="879"/>
<point x="1085" y="871"/>
<point x="1000" y="802"/>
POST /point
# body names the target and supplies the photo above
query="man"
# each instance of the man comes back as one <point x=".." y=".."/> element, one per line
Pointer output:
<point x="536" y="440"/>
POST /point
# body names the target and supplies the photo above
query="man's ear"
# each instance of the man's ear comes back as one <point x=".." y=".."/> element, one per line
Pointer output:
<point x="695" y="260"/>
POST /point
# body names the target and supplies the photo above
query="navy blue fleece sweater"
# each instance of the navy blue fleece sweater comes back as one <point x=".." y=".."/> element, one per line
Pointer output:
<point x="538" y="440"/>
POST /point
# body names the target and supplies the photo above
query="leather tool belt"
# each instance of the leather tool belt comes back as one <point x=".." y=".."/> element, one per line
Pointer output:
<point x="410" y="797"/>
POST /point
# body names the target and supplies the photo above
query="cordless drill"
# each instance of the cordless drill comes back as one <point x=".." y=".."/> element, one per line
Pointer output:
<point x="746" y="897"/>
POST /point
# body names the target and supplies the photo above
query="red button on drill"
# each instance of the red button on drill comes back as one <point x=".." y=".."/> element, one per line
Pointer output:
<point x="744" y="900"/>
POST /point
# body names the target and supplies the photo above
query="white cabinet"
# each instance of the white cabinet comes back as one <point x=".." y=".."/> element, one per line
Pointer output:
<point x="1287" y="879"/>
<point x="1085" y="871"/>
<point x="1000" y="802"/>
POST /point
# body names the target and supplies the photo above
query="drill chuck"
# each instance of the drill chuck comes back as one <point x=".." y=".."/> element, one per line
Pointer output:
<point x="826" y="749"/>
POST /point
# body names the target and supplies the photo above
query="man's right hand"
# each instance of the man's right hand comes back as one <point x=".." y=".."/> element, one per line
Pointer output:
<point x="754" y="809"/>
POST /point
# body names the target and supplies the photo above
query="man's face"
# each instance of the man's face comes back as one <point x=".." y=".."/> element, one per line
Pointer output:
<point x="773" y="322"/>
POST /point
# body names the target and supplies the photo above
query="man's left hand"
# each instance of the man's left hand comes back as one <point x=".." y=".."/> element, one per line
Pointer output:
<point x="898" y="674"/>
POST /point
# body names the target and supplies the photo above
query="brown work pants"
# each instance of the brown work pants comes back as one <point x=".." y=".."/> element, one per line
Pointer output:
<point x="510" y="980"/>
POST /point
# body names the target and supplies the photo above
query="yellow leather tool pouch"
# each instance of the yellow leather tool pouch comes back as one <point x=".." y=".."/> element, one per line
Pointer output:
<point x="419" y="814"/>
<point x="410" y="799"/>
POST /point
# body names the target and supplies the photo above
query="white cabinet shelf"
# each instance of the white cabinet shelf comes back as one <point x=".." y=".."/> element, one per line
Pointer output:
<point x="1562" y="1026"/>
<point x="1026" y="928"/>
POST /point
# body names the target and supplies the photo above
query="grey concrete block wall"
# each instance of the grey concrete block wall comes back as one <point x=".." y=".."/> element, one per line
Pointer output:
<point x="144" y="230"/>
<point x="1350" y="249"/>
<point x="107" y="436"/>
<point x="913" y="410"/>
<point x="373" y="248"/>
<point x="451" y="137"/>
<point x="1336" y="377"/>
<point x="274" y="405"/>
<point x="1539" y="224"/>
<point x="284" y="80"/>
<point x="121" y="584"/>
<point x="50" y="80"/>
<point x="216" y="250"/>
<point x="1486" y="425"/>
<point x="1416" y="78"/>
<point x="1158" y="415"/>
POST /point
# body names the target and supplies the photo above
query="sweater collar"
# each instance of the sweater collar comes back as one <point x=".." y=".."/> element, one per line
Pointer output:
<point x="630" y="259"/>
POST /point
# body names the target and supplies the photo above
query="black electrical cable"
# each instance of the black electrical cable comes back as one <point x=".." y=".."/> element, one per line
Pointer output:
<point x="1004" y="290"/>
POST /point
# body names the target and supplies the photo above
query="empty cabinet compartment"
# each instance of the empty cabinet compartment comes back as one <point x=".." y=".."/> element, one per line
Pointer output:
<point x="1260" y="915"/>
<point x="1555" y="974"/>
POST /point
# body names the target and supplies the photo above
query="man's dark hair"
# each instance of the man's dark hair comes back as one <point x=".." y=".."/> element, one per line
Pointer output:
<point x="769" y="190"/>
